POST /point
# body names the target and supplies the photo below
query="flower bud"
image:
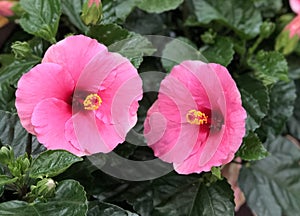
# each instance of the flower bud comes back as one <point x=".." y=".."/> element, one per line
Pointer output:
<point x="21" y="49"/>
<point x="44" y="188"/>
<point x="266" y="29"/>
<point x="91" y="12"/>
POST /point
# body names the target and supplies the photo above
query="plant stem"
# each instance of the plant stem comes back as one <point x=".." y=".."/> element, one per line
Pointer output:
<point x="29" y="144"/>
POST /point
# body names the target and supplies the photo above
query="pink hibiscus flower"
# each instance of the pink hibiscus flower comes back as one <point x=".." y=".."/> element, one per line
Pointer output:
<point x="81" y="98"/>
<point x="294" y="27"/>
<point x="5" y="8"/>
<point x="198" y="120"/>
<point x="295" y="6"/>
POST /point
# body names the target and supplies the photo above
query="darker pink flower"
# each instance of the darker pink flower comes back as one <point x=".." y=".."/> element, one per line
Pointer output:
<point x="198" y="120"/>
<point x="293" y="27"/>
<point x="81" y="98"/>
<point x="5" y="8"/>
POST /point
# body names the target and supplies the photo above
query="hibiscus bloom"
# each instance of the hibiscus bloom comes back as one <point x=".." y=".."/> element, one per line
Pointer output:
<point x="81" y="98"/>
<point x="198" y="120"/>
<point x="295" y="5"/>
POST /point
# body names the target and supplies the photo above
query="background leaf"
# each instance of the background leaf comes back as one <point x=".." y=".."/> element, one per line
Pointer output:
<point x="255" y="100"/>
<point x="51" y="163"/>
<point x="221" y="52"/>
<point x="159" y="6"/>
<point x="252" y="148"/>
<point x="282" y="98"/>
<point x="240" y="16"/>
<point x="272" y="185"/>
<point x="106" y="209"/>
<point x="69" y="199"/>
<point x="73" y="9"/>
<point x="4" y="179"/>
<point x="12" y="133"/>
<point x="41" y="18"/>
<point x="270" y="67"/>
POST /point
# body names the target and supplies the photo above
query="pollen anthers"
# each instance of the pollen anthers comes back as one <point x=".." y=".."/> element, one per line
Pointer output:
<point x="196" y="117"/>
<point x="92" y="102"/>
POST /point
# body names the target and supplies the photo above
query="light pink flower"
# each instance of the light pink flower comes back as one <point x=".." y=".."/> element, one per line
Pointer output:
<point x="198" y="120"/>
<point x="5" y="8"/>
<point x="295" y="6"/>
<point x="293" y="27"/>
<point x="81" y="98"/>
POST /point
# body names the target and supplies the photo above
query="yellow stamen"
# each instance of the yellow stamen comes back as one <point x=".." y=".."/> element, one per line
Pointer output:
<point x="196" y="117"/>
<point x="92" y="102"/>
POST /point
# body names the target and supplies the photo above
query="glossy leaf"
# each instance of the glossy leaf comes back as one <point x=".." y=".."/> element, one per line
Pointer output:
<point x="51" y="163"/>
<point x="270" y="67"/>
<point x="293" y="124"/>
<point x="133" y="48"/>
<point x="107" y="209"/>
<point x="269" y="8"/>
<point x="221" y="52"/>
<point x="73" y="9"/>
<point x="12" y="133"/>
<point x="41" y="18"/>
<point x="282" y="98"/>
<point x="182" y="195"/>
<point x="108" y="34"/>
<point x="255" y="100"/>
<point x="179" y="50"/>
<point x="159" y="6"/>
<point x="69" y="199"/>
<point x="272" y="185"/>
<point x="252" y="148"/>
<point x="241" y="16"/>
<point x="118" y="10"/>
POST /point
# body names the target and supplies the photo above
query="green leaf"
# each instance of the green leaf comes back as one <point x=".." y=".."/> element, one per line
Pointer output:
<point x="108" y="34"/>
<point x="241" y="16"/>
<point x="12" y="133"/>
<point x="252" y="148"/>
<point x="107" y="209"/>
<point x="41" y="18"/>
<point x="293" y="123"/>
<point x="69" y="199"/>
<point x="73" y="9"/>
<point x="181" y="195"/>
<point x="117" y="11"/>
<point x="159" y="6"/>
<point x="51" y="163"/>
<point x="270" y="67"/>
<point x="133" y="48"/>
<point x="269" y="8"/>
<point x="179" y="50"/>
<point x="215" y="199"/>
<point x="255" y="100"/>
<point x="4" y="179"/>
<point x="272" y="185"/>
<point x="282" y="98"/>
<point x="221" y="52"/>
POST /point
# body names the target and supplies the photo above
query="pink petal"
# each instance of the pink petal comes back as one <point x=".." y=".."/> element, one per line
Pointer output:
<point x="295" y="5"/>
<point x="45" y="80"/>
<point x="74" y="53"/>
<point x="49" y="118"/>
<point x="86" y="131"/>
<point x="294" y="27"/>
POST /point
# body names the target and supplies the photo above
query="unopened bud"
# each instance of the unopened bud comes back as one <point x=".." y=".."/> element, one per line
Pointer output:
<point x="21" y="49"/>
<point x="91" y="12"/>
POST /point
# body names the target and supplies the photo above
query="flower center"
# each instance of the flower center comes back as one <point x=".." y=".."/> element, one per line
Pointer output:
<point x="92" y="102"/>
<point x="196" y="117"/>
